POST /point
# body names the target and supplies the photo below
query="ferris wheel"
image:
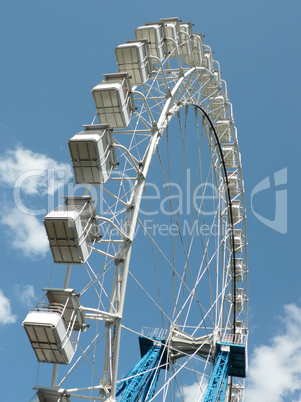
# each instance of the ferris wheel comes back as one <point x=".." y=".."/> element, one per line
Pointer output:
<point x="148" y="293"/>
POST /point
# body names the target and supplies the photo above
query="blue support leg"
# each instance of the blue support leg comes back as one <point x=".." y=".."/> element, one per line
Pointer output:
<point x="217" y="383"/>
<point x="140" y="383"/>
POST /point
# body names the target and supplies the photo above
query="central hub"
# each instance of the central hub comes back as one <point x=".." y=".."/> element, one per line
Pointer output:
<point x="181" y="344"/>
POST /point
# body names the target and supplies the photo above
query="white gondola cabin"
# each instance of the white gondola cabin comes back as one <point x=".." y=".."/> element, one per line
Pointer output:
<point x="236" y="211"/>
<point x="49" y="326"/>
<point x="52" y="395"/>
<point x="233" y="183"/>
<point x="239" y="269"/>
<point x="208" y="60"/>
<point x="70" y="228"/>
<point x="239" y="299"/>
<point x="218" y="107"/>
<point x="211" y="85"/>
<point x="238" y="241"/>
<point x="223" y="130"/>
<point x="92" y="154"/>
<point x="154" y="34"/>
<point x="133" y="58"/>
<point x="185" y="36"/>
<point x="171" y="28"/>
<point x="113" y="100"/>
<point x="229" y="155"/>
<point x="197" y="54"/>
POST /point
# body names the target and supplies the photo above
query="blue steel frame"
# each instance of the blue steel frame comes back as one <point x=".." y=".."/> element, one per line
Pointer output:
<point x="230" y="361"/>
<point x="218" y="381"/>
<point x="140" y="383"/>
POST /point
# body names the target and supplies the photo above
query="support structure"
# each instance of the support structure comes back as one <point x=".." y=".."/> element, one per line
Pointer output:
<point x="230" y="361"/>
<point x="218" y="381"/>
<point x="140" y="382"/>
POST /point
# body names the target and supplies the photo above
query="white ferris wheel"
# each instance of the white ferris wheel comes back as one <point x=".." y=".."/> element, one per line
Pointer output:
<point x="148" y="298"/>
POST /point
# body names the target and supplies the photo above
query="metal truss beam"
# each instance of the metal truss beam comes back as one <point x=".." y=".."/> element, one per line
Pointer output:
<point x="218" y="381"/>
<point x="140" y="383"/>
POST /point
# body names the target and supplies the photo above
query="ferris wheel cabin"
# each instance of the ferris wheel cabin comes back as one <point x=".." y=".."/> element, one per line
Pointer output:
<point x="229" y="156"/>
<point x="49" y="326"/>
<point x="113" y="100"/>
<point x="218" y="110"/>
<point x="70" y="228"/>
<point x="197" y="53"/>
<point x="92" y="154"/>
<point x="185" y="34"/>
<point x="171" y="28"/>
<point x="153" y="32"/>
<point x="133" y="58"/>
<point x="239" y="269"/>
<point x="233" y="182"/>
<point x="223" y="130"/>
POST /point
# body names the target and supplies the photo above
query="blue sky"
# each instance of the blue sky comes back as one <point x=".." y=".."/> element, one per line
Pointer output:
<point x="53" y="54"/>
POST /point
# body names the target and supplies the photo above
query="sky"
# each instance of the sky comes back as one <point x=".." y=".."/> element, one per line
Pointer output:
<point x="52" y="55"/>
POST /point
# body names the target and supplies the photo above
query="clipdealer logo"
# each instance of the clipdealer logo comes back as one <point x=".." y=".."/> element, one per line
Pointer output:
<point x="51" y="183"/>
<point x="279" y="223"/>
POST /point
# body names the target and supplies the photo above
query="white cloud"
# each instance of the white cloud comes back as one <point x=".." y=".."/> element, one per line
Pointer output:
<point x="33" y="173"/>
<point x="27" y="233"/>
<point x="6" y="316"/>
<point x="192" y="392"/>
<point x="25" y="294"/>
<point x="30" y="174"/>
<point x="275" y="370"/>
